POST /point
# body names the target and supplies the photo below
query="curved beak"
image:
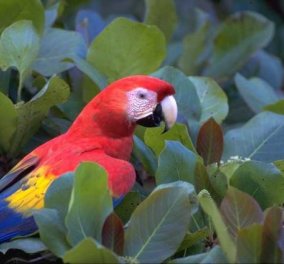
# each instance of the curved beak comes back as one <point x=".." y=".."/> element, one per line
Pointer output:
<point x="165" y="111"/>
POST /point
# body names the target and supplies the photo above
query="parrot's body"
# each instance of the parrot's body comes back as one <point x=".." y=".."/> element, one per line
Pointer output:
<point x="102" y="133"/>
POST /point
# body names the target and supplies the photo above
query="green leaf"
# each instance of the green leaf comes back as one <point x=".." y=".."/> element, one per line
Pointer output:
<point x="33" y="112"/>
<point x="15" y="10"/>
<point x="157" y="10"/>
<point x="192" y="238"/>
<point x="230" y="167"/>
<point x="262" y="138"/>
<point x="51" y="12"/>
<point x="156" y="140"/>
<point x="59" y="193"/>
<point x="51" y="230"/>
<point x="237" y="38"/>
<point x="218" y="182"/>
<point x="214" y="256"/>
<point x="8" y="122"/>
<point x="239" y="210"/>
<point x="266" y="66"/>
<point x="113" y="234"/>
<point x="176" y="163"/>
<point x="280" y="165"/>
<point x="89" y="251"/>
<point x="272" y="236"/>
<point x="210" y="208"/>
<point x="135" y="48"/>
<point x="128" y="205"/>
<point x="210" y="142"/>
<point x="90" y="203"/>
<point x="262" y="181"/>
<point x="249" y="244"/>
<point x="57" y="45"/>
<point x="145" y="155"/>
<point x="85" y="67"/>
<point x="19" y="45"/>
<point x="158" y="224"/>
<point x="256" y="92"/>
<point x="28" y="245"/>
<point x="194" y="46"/>
<point x="203" y="181"/>
<point x="277" y="107"/>
<point x="213" y="100"/>
<point x="186" y="96"/>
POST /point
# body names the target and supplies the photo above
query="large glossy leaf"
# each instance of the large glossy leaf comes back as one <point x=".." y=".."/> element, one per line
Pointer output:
<point x="19" y="45"/>
<point x="226" y="242"/>
<point x="155" y="138"/>
<point x="52" y="231"/>
<point x="239" y="210"/>
<point x="187" y="99"/>
<point x="15" y="10"/>
<point x="32" y="113"/>
<point x="8" y="122"/>
<point x="262" y="138"/>
<point x="213" y="100"/>
<point x="90" y="203"/>
<point x="210" y="142"/>
<point x="249" y="244"/>
<point x="89" y="251"/>
<point x="157" y="10"/>
<point x="126" y="47"/>
<point x="237" y="38"/>
<point x="256" y="92"/>
<point x="261" y="180"/>
<point x="194" y="46"/>
<point x="57" y="45"/>
<point x="158" y="224"/>
<point x="176" y="163"/>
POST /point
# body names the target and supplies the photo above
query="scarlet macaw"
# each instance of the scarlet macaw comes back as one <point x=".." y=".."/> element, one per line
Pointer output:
<point x="101" y="133"/>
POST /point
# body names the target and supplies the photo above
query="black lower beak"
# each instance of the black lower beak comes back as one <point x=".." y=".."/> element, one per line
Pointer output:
<point x="154" y="119"/>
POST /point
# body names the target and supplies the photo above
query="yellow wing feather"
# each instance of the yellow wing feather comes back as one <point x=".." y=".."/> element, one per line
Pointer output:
<point x="30" y="194"/>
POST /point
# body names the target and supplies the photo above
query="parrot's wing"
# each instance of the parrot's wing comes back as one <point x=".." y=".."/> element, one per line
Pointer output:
<point x="22" y="191"/>
<point x="19" y="198"/>
<point x="18" y="172"/>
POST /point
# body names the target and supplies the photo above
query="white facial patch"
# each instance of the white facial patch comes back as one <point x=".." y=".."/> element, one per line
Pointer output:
<point x="141" y="103"/>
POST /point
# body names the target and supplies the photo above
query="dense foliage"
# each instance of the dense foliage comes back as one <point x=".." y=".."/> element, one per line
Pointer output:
<point x="211" y="189"/>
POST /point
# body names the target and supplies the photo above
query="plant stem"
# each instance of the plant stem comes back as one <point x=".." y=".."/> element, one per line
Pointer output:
<point x="20" y="86"/>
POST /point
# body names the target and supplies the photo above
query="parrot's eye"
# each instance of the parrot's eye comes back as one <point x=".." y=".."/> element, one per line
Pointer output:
<point x="141" y="95"/>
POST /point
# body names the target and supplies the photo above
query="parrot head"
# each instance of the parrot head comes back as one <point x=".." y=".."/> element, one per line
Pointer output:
<point x="144" y="100"/>
<point x="137" y="99"/>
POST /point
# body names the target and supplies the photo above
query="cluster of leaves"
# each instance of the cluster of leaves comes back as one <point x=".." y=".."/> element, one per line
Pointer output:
<point x="236" y="178"/>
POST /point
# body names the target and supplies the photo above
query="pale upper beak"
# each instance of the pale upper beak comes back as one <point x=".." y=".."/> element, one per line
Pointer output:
<point x="170" y="111"/>
<point x="165" y="111"/>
